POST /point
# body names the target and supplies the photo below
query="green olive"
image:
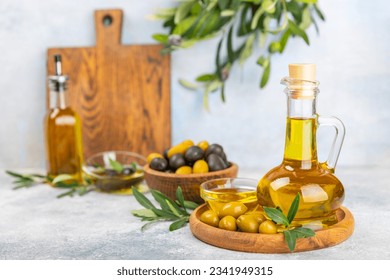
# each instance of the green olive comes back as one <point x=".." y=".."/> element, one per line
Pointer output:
<point x="228" y="223"/>
<point x="152" y="156"/>
<point x="180" y="148"/>
<point x="210" y="217"/>
<point x="234" y="208"/>
<point x="200" y="166"/>
<point x="203" y="145"/>
<point x="248" y="223"/>
<point x="259" y="216"/>
<point x="184" y="170"/>
<point x="188" y="142"/>
<point x="268" y="227"/>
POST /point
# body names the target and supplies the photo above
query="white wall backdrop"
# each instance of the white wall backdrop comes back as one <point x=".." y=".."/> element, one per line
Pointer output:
<point x="352" y="55"/>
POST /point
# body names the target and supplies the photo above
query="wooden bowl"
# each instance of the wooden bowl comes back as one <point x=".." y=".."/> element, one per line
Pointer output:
<point x="271" y="243"/>
<point x="167" y="183"/>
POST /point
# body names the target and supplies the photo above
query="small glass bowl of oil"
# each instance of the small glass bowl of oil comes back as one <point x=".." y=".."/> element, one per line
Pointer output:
<point x="218" y="192"/>
<point x="116" y="171"/>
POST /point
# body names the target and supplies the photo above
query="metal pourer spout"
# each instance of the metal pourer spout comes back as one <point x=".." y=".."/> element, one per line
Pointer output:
<point x="58" y="82"/>
<point x="58" y="64"/>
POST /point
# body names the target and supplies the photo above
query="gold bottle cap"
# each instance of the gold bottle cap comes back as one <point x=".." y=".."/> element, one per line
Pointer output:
<point x="302" y="71"/>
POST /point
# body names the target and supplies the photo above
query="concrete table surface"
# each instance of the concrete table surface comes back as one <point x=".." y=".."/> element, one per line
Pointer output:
<point x="34" y="224"/>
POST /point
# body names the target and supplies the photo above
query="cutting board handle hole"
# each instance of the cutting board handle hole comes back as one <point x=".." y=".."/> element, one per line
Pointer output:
<point x="107" y="20"/>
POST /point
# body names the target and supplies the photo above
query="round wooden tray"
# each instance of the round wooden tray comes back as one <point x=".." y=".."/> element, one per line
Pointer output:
<point x="271" y="243"/>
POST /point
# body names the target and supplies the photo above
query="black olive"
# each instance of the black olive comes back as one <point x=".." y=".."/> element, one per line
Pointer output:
<point x="128" y="171"/>
<point x="111" y="172"/>
<point x="193" y="154"/>
<point x="165" y="154"/>
<point x="176" y="161"/>
<point x="223" y="156"/>
<point x="214" y="149"/>
<point x="159" y="164"/>
<point x="216" y="163"/>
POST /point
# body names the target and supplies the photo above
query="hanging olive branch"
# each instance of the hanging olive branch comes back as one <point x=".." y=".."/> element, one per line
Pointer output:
<point x="242" y="26"/>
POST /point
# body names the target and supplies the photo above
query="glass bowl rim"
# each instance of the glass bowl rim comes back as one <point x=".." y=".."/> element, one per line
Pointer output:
<point x="206" y="193"/>
<point x="120" y="152"/>
<point x="243" y="179"/>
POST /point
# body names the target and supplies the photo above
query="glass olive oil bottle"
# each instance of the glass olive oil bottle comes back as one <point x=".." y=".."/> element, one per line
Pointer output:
<point x="63" y="138"/>
<point x="300" y="171"/>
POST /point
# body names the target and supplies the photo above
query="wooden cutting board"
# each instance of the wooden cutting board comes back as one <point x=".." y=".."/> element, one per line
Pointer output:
<point x="121" y="92"/>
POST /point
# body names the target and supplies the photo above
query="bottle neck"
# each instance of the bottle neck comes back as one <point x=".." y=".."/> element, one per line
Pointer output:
<point x="59" y="98"/>
<point x="301" y="107"/>
<point x="300" y="145"/>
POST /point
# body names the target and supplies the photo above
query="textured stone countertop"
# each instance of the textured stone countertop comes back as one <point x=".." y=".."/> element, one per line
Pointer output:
<point x="34" y="224"/>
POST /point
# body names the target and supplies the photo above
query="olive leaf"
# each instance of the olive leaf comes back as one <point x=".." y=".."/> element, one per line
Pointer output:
<point x="171" y="210"/>
<point x="295" y="29"/>
<point x="26" y="180"/>
<point x="230" y="51"/>
<point x="193" y="21"/>
<point x="188" y="85"/>
<point x="218" y="60"/>
<point x="116" y="165"/>
<point x="307" y="1"/>
<point x="62" y="181"/>
<point x="182" y="11"/>
<point x="319" y="13"/>
<point x="303" y="232"/>
<point x="143" y="200"/>
<point x="266" y="74"/>
<point x="256" y="18"/>
<point x="290" y="239"/>
<point x="276" y="216"/>
<point x="178" y="224"/>
<point x="62" y="177"/>
<point x="166" y="203"/>
<point x="180" y="198"/>
<point x="161" y="38"/>
<point x="190" y="205"/>
<point x="291" y="234"/>
<point x="293" y="208"/>
<point x="223" y="4"/>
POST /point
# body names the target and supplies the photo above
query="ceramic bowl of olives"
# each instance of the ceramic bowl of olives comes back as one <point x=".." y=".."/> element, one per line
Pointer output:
<point x="187" y="165"/>
<point x="116" y="171"/>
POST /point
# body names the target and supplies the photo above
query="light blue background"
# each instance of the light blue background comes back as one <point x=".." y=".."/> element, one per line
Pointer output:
<point x="352" y="55"/>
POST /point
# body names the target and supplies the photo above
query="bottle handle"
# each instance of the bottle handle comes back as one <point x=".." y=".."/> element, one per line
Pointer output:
<point x="334" y="153"/>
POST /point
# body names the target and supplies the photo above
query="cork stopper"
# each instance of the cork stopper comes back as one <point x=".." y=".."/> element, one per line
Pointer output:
<point x="302" y="71"/>
<point x="301" y="83"/>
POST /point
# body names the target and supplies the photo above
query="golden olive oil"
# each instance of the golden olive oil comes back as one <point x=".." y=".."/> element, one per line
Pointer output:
<point x="300" y="172"/>
<point x="216" y="198"/>
<point x="64" y="153"/>
<point x="300" y="139"/>
<point x="121" y="184"/>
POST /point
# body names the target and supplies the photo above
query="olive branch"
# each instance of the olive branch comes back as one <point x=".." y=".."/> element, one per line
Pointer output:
<point x="243" y="25"/>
